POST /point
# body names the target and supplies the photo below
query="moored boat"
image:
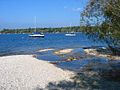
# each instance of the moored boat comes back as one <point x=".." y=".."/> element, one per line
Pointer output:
<point x="36" y="34"/>
<point x="70" y="34"/>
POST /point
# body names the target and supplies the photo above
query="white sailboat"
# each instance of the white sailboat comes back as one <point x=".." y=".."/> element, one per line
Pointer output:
<point x="71" y="34"/>
<point x="36" y="34"/>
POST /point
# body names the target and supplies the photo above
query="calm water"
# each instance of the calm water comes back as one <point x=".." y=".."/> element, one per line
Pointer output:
<point x="11" y="44"/>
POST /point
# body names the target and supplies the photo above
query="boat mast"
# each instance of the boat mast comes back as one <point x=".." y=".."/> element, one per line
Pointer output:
<point x="70" y="27"/>
<point x="35" y="23"/>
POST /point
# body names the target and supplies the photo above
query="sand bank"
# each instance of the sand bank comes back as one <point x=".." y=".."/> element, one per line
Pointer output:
<point x="64" y="51"/>
<point x="45" y="50"/>
<point x="23" y="72"/>
<point x="94" y="52"/>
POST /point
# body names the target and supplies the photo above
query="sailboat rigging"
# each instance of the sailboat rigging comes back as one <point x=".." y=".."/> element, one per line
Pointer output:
<point x="35" y="33"/>
<point x="71" y="34"/>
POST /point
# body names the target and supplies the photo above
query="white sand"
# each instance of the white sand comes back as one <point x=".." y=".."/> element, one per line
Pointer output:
<point x="64" y="51"/>
<point x="23" y="72"/>
<point x="45" y="50"/>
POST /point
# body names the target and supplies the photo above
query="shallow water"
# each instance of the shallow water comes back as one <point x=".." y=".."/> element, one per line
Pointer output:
<point x="74" y="65"/>
<point x="78" y="64"/>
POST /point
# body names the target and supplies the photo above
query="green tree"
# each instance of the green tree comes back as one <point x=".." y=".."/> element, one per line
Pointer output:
<point x="102" y="21"/>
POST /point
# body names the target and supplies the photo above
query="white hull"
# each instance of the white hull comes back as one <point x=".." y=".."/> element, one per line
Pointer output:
<point x="69" y="34"/>
<point x="36" y="35"/>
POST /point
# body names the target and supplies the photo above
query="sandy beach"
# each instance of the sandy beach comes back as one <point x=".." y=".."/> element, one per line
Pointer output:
<point x="24" y="72"/>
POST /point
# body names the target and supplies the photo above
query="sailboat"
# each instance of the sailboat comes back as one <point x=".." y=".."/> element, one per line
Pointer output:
<point x="71" y="34"/>
<point x="36" y="34"/>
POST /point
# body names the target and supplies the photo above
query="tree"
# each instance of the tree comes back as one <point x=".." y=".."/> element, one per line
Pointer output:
<point x="102" y="21"/>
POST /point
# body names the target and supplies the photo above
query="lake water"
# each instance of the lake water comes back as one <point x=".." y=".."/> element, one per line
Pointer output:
<point x="11" y="44"/>
<point x="16" y="44"/>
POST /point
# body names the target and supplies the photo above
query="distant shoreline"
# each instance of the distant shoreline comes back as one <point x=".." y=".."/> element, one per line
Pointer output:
<point x="43" y="30"/>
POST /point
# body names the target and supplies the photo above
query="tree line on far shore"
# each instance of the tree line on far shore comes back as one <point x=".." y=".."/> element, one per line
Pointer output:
<point x="42" y="30"/>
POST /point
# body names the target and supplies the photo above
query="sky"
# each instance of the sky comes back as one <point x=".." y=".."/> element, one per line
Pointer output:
<point x="48" y="13"/>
